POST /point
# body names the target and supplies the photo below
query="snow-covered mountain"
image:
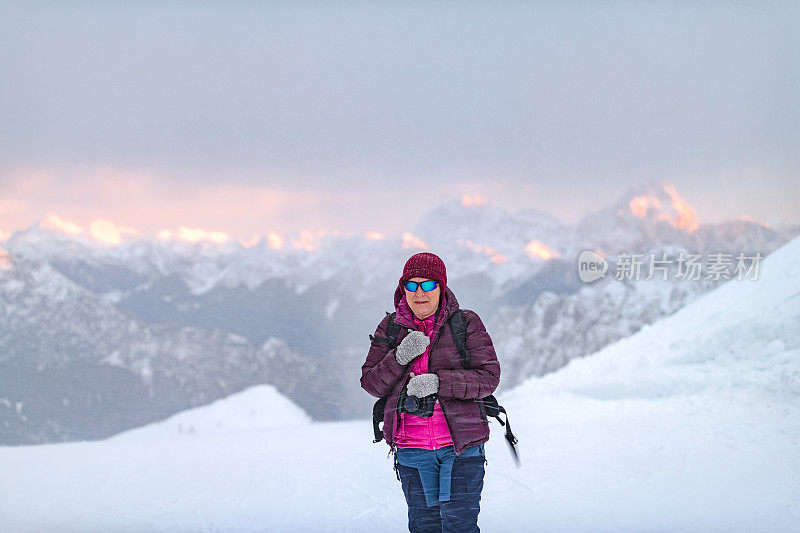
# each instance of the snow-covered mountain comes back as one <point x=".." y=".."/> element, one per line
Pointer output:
<point x="76" y="367"/>
<point x="690" y="424"/>
<point x="481" y="239"/>
<point x="322" y="294"/>
<point x="654" y="214"/>
<point x="541" y="337"/>
<point x="257" y="292"/>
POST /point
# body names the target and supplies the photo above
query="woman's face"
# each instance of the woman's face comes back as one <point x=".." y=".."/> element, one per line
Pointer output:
<point x="422" y="303"/>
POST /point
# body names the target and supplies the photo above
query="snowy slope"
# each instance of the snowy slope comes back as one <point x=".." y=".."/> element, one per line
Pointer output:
<point x="691" y="424"/>
<point x="742" y="336"/>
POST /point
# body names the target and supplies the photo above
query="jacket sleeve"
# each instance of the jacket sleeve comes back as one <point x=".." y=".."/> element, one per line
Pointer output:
<point x="483" y="376"/>
<point x="381" y="371"/>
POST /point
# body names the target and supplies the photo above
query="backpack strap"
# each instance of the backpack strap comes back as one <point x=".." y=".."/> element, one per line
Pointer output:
<point x="458" y="328"/>
<point x="392" y="331"/>
<point x="396" y="469"/>
<point x="494" y="409"/>
<point x="377" y="417"/>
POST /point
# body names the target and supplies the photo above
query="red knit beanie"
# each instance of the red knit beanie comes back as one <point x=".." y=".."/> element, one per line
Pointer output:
<point x="425" y="265"/>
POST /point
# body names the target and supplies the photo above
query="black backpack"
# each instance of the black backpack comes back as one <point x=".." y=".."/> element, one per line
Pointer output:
<point x="458" y="328"/>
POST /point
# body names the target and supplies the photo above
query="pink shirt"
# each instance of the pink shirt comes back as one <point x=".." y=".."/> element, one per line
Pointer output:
<point x="430" y="433"/>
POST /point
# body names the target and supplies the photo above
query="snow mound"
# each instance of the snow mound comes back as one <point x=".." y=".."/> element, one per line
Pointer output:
<point x="253" y="409"/>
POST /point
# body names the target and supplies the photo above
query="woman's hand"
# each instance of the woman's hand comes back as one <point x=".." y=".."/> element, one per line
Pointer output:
<point x="413" y="345"/>
<point x="423" y="385"/>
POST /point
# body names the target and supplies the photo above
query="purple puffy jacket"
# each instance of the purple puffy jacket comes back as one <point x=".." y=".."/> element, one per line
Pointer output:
<point x="430" y="433"/>
<point x="459" y="388"/>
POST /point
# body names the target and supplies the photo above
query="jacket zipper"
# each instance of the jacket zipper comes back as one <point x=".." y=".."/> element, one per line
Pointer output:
<point x="441" y="404"/>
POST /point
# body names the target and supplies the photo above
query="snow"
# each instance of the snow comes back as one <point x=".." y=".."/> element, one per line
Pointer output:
<point x="691" y="424"/>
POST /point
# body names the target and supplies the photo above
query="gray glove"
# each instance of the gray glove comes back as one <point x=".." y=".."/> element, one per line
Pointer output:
<point x="423" y="385"/>
<point x="412" y="346"/>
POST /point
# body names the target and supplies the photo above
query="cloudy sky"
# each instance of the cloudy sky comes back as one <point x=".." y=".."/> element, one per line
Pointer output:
<point x="245" y="117"/>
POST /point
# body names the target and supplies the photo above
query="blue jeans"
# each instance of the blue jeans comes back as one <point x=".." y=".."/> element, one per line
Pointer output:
<point x="451" y="505"/>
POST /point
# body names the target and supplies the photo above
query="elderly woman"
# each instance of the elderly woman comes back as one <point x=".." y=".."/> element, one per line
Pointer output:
<point x="434" y="421"/>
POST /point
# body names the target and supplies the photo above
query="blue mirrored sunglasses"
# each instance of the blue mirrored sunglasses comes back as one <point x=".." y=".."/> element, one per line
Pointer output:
<point x="427" y="286"/>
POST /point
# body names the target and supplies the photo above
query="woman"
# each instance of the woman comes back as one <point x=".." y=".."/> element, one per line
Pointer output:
<point x="439" y="453"/>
